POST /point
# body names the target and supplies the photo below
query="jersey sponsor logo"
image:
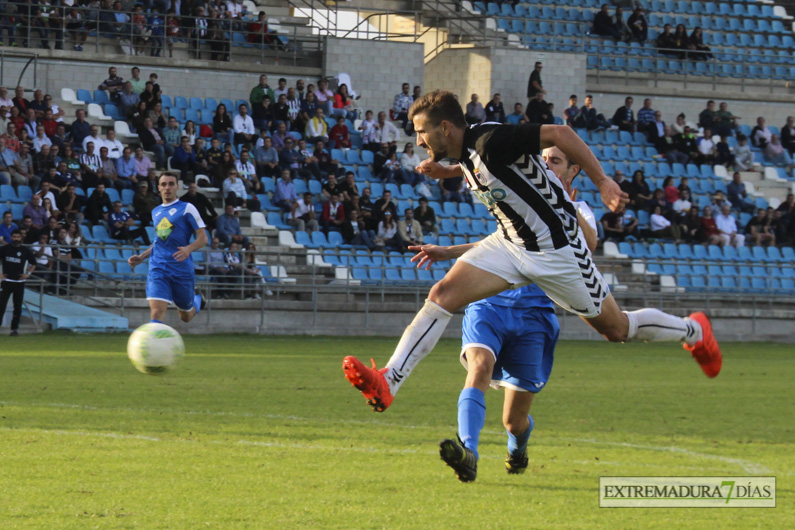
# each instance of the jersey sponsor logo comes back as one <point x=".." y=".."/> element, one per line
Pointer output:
<point x="164" y="228"/>
<point x="490" y="197"/>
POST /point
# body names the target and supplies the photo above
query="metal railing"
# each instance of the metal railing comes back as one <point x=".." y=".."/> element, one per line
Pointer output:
<point x="138" y="33"/>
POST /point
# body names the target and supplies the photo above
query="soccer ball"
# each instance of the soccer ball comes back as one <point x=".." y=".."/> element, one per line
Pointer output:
<point x="155" y="348"/>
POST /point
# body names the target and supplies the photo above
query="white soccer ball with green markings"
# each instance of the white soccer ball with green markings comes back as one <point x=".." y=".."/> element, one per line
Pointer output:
<point x="155" y="348"/>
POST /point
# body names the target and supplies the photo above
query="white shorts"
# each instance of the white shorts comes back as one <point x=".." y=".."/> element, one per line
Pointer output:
<point x="567" y="275"/>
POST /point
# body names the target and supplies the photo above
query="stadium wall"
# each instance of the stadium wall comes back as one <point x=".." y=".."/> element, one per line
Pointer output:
<point x="484" y="71"/>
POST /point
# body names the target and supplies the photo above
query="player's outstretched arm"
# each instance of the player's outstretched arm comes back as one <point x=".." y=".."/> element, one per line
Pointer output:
<point x="184" y="253"/>
<point x="564" y="138"/>
<point x="427" y="255"/>
<point x="435" y="170"/>
<point x="139" y="258"/>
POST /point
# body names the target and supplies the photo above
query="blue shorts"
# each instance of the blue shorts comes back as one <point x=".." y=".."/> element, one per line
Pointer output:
<point x="521" y="340"/>
<point x="169" y="287"/>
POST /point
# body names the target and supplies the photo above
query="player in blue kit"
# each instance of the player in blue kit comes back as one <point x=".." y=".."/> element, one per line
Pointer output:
<point x="171" y="275"/>
<point x="508" y="341"/>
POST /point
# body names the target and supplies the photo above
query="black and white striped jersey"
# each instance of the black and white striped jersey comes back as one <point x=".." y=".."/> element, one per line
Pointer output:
<point x="503" y="168"/>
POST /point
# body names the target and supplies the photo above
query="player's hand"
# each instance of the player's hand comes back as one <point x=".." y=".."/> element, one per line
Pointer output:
<point x="181" y="254"/>
<point x="427" y="255"/>
<point x="134" y="260"/>
<point x="573" y="194"/>
<point x="435" y="170"/>
<point x="612" y="196"/>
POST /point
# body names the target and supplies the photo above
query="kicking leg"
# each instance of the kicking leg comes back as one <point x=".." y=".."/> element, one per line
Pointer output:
<point x="464" y="283"/>
<point x="519" y="424"/>
<point x="157" y="310"/>
<point x="198" y="304"/>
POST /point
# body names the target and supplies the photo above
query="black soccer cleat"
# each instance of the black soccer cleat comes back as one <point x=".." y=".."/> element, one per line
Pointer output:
<point x="203" y="303"/>
<point x="516" y="464"/>
<point x="462" y="460"/>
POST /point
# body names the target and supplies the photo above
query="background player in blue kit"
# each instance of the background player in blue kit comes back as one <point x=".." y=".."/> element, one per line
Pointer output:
<point x="171" y="274"/>
<point x="508" y="341"/>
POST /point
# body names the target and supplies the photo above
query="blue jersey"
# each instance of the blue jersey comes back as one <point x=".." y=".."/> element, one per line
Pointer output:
<point x="175" y="223"/>
<point x="525" y="297"/>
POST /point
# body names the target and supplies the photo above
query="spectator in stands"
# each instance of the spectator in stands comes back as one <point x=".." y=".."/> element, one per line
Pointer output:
<point x="113" y="84"/>
<point x="707" y="149"/>
<point x="203" y="205"/>
<point x="681" y="41"/>
<point x="324" y="96"/>
<point x="588" y="118"/>
<point x="494" y="110"/>
<point x="400" y="106"/>
<point x="302" y="214"/>
<point x="243" y="127"/>
<point x="354" y="231"/>
<point x="222" y="124"/>
<point x="198" y="26"/>
<point x="151" y="140"/>
<point x="247" y="172"/>
<point x="776" y="154"/>
<point x="125" y="170"/>
<point x="280" y="112"/>
<point x="682" y="207"/>
<point x="80" y="127"/>
<point x="5" y="101"/>
<point x="760" y="230"/>
<point x="783" y="229"/>
<point x="228" y="227"/>
<point x="623" y="183"/>
<point x="285" y="197"/>
<point x="235" y="193"/>
<point x="289" y="158"/>
<point x="662" y="227"/>
<point x="409" y="230"/>
<point x="760" y="135"/>
<point x="317" y="128"/>
<point x="136" y="82"/>
<point x="708" y="117"/>
<point x="45" y="260"/>
<point x="658" y="199"/>
<point x="709" y="228"/>
<point x="475" y="113"/>
<point x="293" y="110"/>
<point x="144" y="201"/>
<point x="624" y="117"/>
<point x="382" y="205"/>
<point x="344" y="104"/>
<point x="37" y="213"/>
<point x="788" y="135"/>
<point x="727" y="227"/>
<point x="638" y="27"/>
<point x="724" y="154"/>
<point x="330" y="187"/>
<point x="333" y="215"/>
<point x="24" y="166"/>
<point x="172" y="136"/>
<point x="309" y="106"/>
<point x="142" y="164"/>
<point x="6" y="228"/>
<point x="267" y="159"/>
<point x="692" y="226"/>
<point x="698" y="50"/>
<point x="387" y="235"/>
<point x="666" y="43"/>
<point x="409" y="162"/>
<point x="647" y="117"/>
<point x="41" y="139"/>
<point x="339" y="136"/>
<point x="614" y="227"/>
<point x="538" y="110"/>
<point x="327" y="165"/>
<point x="190" y="131"/>
<point x="517" y="116"/>
<point x="717" y="202"/>
<point x="604" y="26"/>
<point x="369" y="132"/>
<point x="30" y="234"/>
<point x="349" y="190"/>
<point x="725" y="122"/>
<point x="43" y="161"/>
<point x="386" y="132"/>
<point x="122" y="226"/>
<point x="666" y="144"/>
<point x="452" y="189"/>
<point x="185" y="161"/>
<point x="107" y="169"/>
<point x="620" y="23"/>
<point x="426" y="216"/>
<point x="262" y="115"/>
<point x="98" y="206"/>
<point x="309" y="164"/>
<point x="743" y="157"/>
<point x="148" y="96"/>
<point x="686" y="143"/>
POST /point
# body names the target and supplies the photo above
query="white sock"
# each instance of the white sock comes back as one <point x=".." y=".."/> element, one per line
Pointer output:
<point x="417" y="341"/>
<point x="654" y="325"/>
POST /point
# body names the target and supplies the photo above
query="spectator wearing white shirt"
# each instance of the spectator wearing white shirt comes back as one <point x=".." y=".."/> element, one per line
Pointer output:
<point x="400" y="106"/>
<point x="317" y="128"/>
<point x="760" y="135"/>
<point x="324" y="96"/>
<point x="409" y="161"/>
<point x="368" y="132"/>
<point x="386" y="132"/>
<point x="247" y="172"/>
<point x="95" y="138"/>
<point x="40" y="139"/>
<point x="662" y="227"/>
<point x="682" y="205"/>
<point x="243" y="126"/>
<point x="115" y="147"/>
<point x="727" y="226"/>
<point x="5" y="101"/>
<point x="302" y="214"/>
<point x="706" y="148"/>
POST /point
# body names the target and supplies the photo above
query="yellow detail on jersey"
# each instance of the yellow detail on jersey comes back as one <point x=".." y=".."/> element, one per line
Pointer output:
<point x="164" y="228"/>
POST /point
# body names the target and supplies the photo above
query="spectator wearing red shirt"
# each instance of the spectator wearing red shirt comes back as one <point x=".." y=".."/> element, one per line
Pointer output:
<point x="18" y="121"/>
<point x="339" y="136"/>
<point x="20" y="102"/>
<point x="709" y="227"/>
<point x="671" y="191"/>
<point x="258" y="30"/>
<point x="333" y="214"/>
<point x="49" y="123"/>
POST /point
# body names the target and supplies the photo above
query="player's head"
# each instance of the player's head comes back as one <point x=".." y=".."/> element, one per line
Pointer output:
<point x="16" y="237"/>
<point x="440" y="124"/>
<point x="562" y="166"/>
<point x="167" y="184"/>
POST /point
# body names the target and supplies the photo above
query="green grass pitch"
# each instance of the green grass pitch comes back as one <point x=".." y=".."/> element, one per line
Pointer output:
<point x="254" y="432"/>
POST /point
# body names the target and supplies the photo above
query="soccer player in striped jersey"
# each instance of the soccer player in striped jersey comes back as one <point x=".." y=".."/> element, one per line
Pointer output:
<point x="538" y="241"/>
<point x="171" y="276"/>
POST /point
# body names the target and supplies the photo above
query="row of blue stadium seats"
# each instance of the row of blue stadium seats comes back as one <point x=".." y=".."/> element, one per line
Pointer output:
<point x="121" y="270"/>
<point x="661" y="169"/>
<point x="750" y="71"/>
<point x="726" y="284"/>
<point x="729" y="49"/>
<point x="406" y="276"/>
<point x="670" y="251"/>
<point x="726" y="10"/>
<point x="23" y="194"/>
<point x="719" y="271"/>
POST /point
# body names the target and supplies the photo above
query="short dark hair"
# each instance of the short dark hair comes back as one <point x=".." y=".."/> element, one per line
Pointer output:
<point x="437" y="106"/>
<point x="16" y="231"/>
<point x="167" y="174"/>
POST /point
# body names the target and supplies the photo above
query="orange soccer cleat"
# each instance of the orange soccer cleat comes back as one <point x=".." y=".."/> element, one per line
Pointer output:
<point x="369" y="381"/>
<point x="706" y="351"/>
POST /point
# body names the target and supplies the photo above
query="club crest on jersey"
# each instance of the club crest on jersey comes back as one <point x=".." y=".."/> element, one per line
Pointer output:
<point x="172" y="211"/>
<point x="490" y="197"/>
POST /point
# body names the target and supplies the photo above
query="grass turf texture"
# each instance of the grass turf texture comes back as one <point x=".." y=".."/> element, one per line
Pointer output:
<point x="255" y="432"/>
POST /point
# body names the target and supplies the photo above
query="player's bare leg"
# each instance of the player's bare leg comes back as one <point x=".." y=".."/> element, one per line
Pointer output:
<point x="198" y="305"/>
<point x="157" y="310"/>
<point x="187" y="316"/>
<point x="519" y="424"/>
<point x="695" y="331"/>
<point x="463" y="284"/>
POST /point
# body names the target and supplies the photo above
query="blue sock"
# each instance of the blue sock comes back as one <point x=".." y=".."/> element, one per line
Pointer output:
<point x="471" y="417"/>
<point x="517" y="444"/>
<point x="197" y="302"/>
<point x="153" y="321"/>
